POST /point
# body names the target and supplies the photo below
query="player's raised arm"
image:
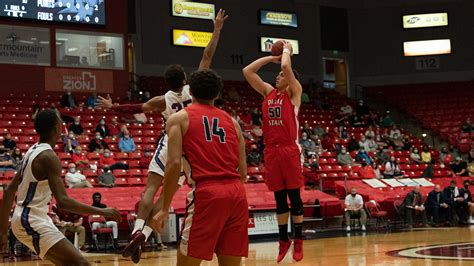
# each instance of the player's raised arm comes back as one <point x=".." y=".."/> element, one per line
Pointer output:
<point x="7" y="203"/>
<point x="242" y="155"/>
<point x="295" y="87"/>
<point x="155" y="104"/>
<point x="250" y="74"/>
<point x="211" y="47"/>
<point x="48" y="165"/>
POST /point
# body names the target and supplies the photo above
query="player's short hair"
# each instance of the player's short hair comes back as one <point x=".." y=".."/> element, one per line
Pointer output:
<point x="174" y="76"/>
<point x="45" y="122"/>
<point x="96" y="194"/>
<point x="205" y="84"/>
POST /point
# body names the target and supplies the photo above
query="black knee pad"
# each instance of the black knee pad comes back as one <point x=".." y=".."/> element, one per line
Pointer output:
<point x="281" y="202"/>
<point x="296" y="202"/>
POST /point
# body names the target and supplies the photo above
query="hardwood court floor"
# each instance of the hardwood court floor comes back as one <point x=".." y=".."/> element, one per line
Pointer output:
<point x="373" y="249"/>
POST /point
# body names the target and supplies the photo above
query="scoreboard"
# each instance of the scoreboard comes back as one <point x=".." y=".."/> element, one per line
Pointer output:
<point x="68" y="11"/>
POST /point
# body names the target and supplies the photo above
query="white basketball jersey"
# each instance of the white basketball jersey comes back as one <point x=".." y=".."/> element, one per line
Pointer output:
<point x="176" y="101"/>
<point x="32" y="193"/>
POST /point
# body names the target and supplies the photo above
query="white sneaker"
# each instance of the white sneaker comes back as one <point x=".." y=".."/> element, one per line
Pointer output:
<point x="348" y="229"/>
<point x="363" y="228"/>
<point x="471" y="220"/>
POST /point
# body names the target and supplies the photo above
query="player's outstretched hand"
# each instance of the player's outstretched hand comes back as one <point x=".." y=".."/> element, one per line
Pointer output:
<point x="112" y="213"/>
<point x="287" y="45"/>
<point x="219" y="20"/>
<point x="104" y="103"/>
<point x="159" y="220"/>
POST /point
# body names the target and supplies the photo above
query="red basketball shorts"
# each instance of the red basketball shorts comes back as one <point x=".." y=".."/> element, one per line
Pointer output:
<point x="283" y="168"/>
<point x="216" y="221"/>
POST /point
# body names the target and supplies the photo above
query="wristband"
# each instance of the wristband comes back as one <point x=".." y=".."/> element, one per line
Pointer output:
<point x="128" y="108"/>
<point x="286" y="50"/>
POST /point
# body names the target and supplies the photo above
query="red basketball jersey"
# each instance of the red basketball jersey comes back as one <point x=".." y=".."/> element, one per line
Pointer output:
<point x="211" y="144"/>
<point x="280" y="119"/>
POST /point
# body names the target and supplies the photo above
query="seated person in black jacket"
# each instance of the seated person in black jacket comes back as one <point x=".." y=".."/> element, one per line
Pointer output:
<point x="437" y="207"/>
<point x="456" y="200"/>
<point x="468" y="201"/>
<point x="412" y="206"/>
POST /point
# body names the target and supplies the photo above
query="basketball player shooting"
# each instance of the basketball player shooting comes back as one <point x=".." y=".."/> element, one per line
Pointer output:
<point x="216" y="218"/>
<point x="283" y="169"/>
<point x="38" y="178"/>
<point x="177" y="98"/>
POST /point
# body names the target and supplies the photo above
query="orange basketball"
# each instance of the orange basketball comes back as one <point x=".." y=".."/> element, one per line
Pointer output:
<point x="277" y="48"/>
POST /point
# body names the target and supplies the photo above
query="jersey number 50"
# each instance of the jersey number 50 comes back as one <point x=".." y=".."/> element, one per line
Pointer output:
<point x="216" y="130"/>
<point x="274" y="112"/>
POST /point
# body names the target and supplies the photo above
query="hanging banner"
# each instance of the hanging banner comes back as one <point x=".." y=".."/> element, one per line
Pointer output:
<point x="266" y="44"/>
<point x="278" y="18"/>
<point x="24" y="45"/>
<point x="76" y="80"/>
<point x="191" y="38"/>
<point x="188" y="9"/>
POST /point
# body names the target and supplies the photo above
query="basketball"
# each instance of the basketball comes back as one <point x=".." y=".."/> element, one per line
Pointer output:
<point x="277" y="48"/>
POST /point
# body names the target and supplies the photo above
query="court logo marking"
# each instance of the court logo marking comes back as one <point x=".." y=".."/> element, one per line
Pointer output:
<point x="456" y="251"/>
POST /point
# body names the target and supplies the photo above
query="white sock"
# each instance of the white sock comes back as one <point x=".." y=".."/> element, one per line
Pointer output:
<point x="139" y="223"/>
<point x="147" y="231"/>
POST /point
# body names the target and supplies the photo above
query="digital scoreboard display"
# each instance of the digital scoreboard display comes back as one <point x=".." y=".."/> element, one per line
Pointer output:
<point x="68" y="11"/>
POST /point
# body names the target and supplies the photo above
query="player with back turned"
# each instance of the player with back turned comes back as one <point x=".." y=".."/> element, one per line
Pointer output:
<point x="216" y="218"/>
<point x="283" y="166"/>
<point x="38" y="179"/>
<point x="177" y="98"/>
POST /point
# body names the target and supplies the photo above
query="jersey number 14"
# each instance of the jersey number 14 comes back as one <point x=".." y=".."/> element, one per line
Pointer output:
<point x="216" y="130"/>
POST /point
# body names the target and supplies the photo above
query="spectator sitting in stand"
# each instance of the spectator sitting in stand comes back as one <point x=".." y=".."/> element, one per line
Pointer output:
<point x="392" y="169"/>
<point x="106" y="178"/>
<point x="107" y="160"/>
<point x="415" y="156"/>
<point x="308" y="145"/>
<point x="76" y="127"/>
<point x="254" y="157"/>
<point x="363" y="155"/>
<point x="98" y="144"/>
<point x="233" y="94"/>
<point x="454" y="151"/>
<point x="91" y="101"/>
<point x="115" y="129"/>
<point x="370" y="132"/>
<point x="16" y="158"/>
<point x="459" y="167"/>
<point x="8" y="143"/>
<point x="144" y="162"/>
<point x="256" y="117"/>
<point x="370" y="145"/>
<point x="437" y="207"/>
<point x="412" y="206"/>
<point x="354" y="207"/>
<point x="356" y="120"/>
<point x="382" y="156"/>
<point x="346" y="110"/>
<point x="6" y="161"/>
<point x="96" y="202"/>
<point x="70" y="142"/>
<point x="470" y="155"/>
<point x="366" y="171"/>
<point x="81" y="161"/>
<point x="429" y="170"/>
<point x="445" y="157"/>
<point x="467" y="126"/>
<point x="102" y="128"/>
<point x="236" y="117"/>
<point x="74" y="179"/>
<point x="126" y="143"/>
<point x="456" y="201"/>
<point x="387" y="120"/>
<point x="376" y="168"/>
<point x="246" y="118"/>
<point x="362" y="109"/>
<point x="344" y="158"/>
<point x="68" y="100"/>
<point x="307" y="129"/>
<point x="318" y="131"/>
<point x="353" y="144"/>
<point x="70" y="222"/>
<point x="425" y="154"/>
<point x="395" y="134"/>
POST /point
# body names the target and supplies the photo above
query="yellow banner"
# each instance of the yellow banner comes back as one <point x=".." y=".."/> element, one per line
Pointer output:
<point x="188" y="9"/>
<point x="191" y="38"/>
